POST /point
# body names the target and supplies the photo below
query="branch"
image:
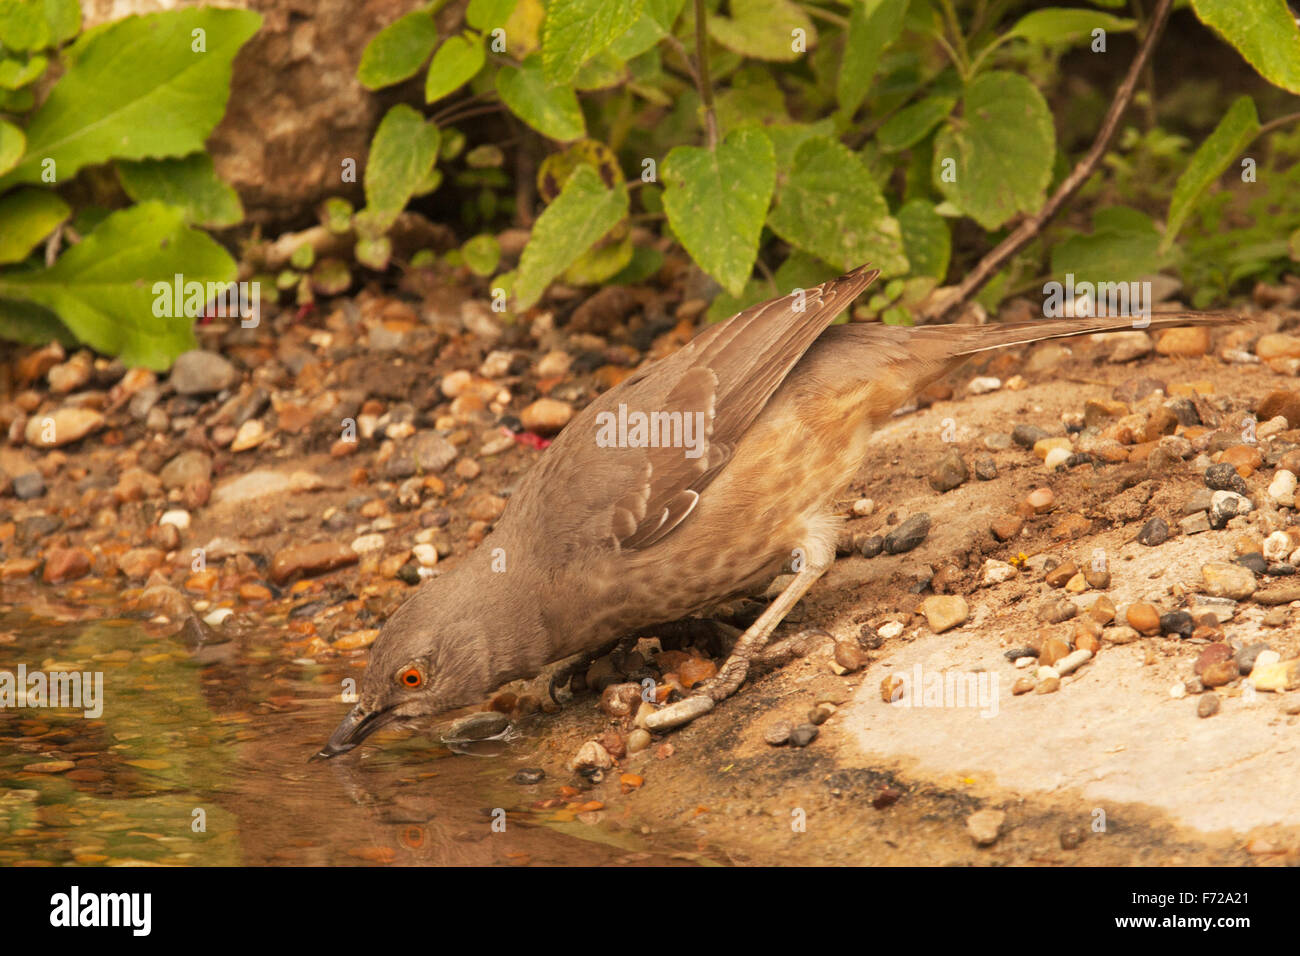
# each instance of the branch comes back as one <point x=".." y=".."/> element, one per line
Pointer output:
<point x="945" y="300"/>
<point x="702" y="75"/>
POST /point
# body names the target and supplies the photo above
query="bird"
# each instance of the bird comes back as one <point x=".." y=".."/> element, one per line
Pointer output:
<point x="756" y="427"/>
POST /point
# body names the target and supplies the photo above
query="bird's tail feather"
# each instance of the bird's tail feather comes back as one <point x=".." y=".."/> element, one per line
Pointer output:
<point x="984" y="338"/>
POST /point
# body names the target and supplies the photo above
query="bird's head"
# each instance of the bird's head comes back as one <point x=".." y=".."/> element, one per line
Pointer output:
<point x="430" y="657"/>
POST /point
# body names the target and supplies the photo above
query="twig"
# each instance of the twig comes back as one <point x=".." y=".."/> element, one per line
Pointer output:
<point x="986" y="268"/>
<point x="702" y="75"/>
<point x="1278" y="123"/>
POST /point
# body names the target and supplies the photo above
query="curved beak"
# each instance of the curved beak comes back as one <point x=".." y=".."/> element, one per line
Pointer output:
<point x="355" y="727"/>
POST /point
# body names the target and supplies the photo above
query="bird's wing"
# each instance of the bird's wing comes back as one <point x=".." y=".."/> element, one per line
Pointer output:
<point x="722" y="379"/>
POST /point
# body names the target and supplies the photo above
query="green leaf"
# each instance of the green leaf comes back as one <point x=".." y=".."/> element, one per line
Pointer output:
<point x="486" y="15"/>
<point x="655" y="23"/>
<point x="103" y="288"/>
<point x="830" y="208"/>
<point x="873" y="26"/>
<point x="576" y="30"/>
<point x="398" y="51"/>
<point x="457" y="62"/>
<point x="165" y="103"/>
<point x="1063" y="25"/>
<point x="926" y="239"/>
<point x="1219" y="151"/>
<point x="401" y="154"/>
<point x="763" y="29"/>
<point x="26" y="217"/>
<point x="23" y="25"/>
<point x="189" y="183"/>
<point x="1264" y="32"/>
<point x="599" y="263"/>
<point x="1002" y="146"/>
<point x="1124" y="245"/>
<point x="912" y="124"/>
<point x="64" y="18"/>
<point x="12" y="144"/>
<point x="32" y="325"/>
<point x="786" y="139"/>
<point x="645" y="262"/>
<point x="716" y="201"/>
<point x="482" y="254"/>
<point x="552" y="111"/>
<point x="15" y="73"/>
<point x="581" y="214"/>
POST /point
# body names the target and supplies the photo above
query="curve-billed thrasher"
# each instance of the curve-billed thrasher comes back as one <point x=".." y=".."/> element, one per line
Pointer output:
<point x="750" y="433"/>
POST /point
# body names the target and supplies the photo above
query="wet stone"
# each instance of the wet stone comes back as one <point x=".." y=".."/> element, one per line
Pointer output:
<point x="908" y="535"/>
<point x="1154" y="532"/>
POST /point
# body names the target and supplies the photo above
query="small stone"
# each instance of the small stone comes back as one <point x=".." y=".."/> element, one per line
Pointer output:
<point x="1040" y="500"/>
<point x="529" y="776"/>
<point x="1097" y="576"/>
<point x="803" y="735"/>
<point x="945" y="611"/>
<point x="1220" y="673"/>
<point x="950" y="473"/>
<point x="1023" y="685"/>
<point x="863" y="507"/>
<point x="1195" y="523"/>
<point x="1177" y="622"/>
<point x="62" y="426"/>
<point x="310" y="559"/>
<point x="250" y="434"/>
<point x="1053" y="650"/>
<point x="984" y="384"/>
<point x="1073" y="661"/>
<point x="1007" y="527"/>
<point x="778" y="734"/>
<point x="638" y="740"/>
<point x="985" y="826"/>
<point x="995" y="572"/>
<point x="1059" y="575"/>
<point x="908" y="535"/>
<point x="1144" y="618"/>
<point x="1228" y="580"/>
<point x="1120" y="634"/>
<point x="1054" y="612"/>
<point x="28" y="485"/>
<point x="199" y="373"/>
<point x="986" y="469"/>
<point x="1102" y="610"/>
<point x="1247" y="657"/>
<point x="821" y="713"/>
<point x="1224" y="477"/>
<point x="1282" y="488"/>
<point x="1226" y="505"/>
<point x="546" y="416"/>
<point x="1208" y="705"/>
<point x="850" y="656"/>
<point x="1154" y="532"/>
<point x="592" y="756"/>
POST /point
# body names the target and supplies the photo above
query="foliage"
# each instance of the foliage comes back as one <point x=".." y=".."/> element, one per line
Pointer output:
<point x="150" y="120"/>
<point x="820" y="134"/>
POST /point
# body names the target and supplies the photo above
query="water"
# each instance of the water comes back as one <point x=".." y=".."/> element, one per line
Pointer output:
<point x="200" y="758"/>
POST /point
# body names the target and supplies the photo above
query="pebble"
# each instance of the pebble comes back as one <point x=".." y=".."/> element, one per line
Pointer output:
<point x="682" y="712"/>
<point x="1040" y="500"/>
<point x="546" y="416"/>
<point x="1059" y="575"/>
<point x="803" y="735"/>
<point x="1208" y="705"/>
<point x="1195" y="523"/>
<point x="985" y="826"/>
<point x="1282" y="488"/>
<point x="1053" y="650"/>
<point x="1277" y="595"/>
<point x="1177" y="622"/>
<point x="1226" y="505"/>
<point x="950" y="473"/>
<point x="1220" y="673"/>
<point x="1054" y="612"/>
<point x="1247" y="657"/>
<point x="250" y="434"/>
<point x="1006" y="527"/>
<point x="945" y="611"/>
<point x="863" y="507"/>
<point x="822" y="712"/>
<point x="1224" y="477"/>
<point x="62" y="427"/>
<point x="908" y="535"/>
<point x="65" y="564"/>
<point x="177" y="518"/>
<point x="1276" y="677"/>
<point x="1023" y="685"/>
<point x="984" y="384"/>
<point x="592" y="756"/>
<point x="529" y="776"/>
<point x="778" y="734"/>
<point x="850" y="657"/>
<point x="1073" y="661"/>
<point x="310" y="559"/>
<point x="1277" y="546"/>
<point x="29" y="485"/>
<point x="890" y="629"/>
<point x="638" y="740"/>
<point x="1154" y="532"/>
<point x="995" y="572"/>
<point x="1056" y="457"/>
<point x="198" y="373"/>
<point x="1228" y="580"/>
<point x="1120" y="634"/>
<point x="986" y="469"/>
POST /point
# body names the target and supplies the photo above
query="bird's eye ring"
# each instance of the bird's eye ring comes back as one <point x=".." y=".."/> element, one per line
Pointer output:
<point x="411" y="678"/>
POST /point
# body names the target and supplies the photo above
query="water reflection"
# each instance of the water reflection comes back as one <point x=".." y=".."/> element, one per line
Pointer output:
<point x="199" y="758"/>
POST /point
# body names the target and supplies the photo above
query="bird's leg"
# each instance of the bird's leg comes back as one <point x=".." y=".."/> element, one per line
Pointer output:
<point x="732" y="673"/>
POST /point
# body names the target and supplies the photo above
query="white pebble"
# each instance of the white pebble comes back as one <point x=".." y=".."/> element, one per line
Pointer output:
<point x="368" y="542"/>
<point x="218" y="617"/>
<point x="179" y="517"/>
<point x="1277" y="546"/>
<point x="1044" y="672"/>
<point x="1023" y="662"/>
<point x="1178" y="692"/>
<point x="1057" y="456"/>
<point x="863" y="507"/>
<point x="426" y="554"/>
<point x="984" y="384"/>
<point x="1282" y="488"/>
<point x="1266" y="657"/>
<point x="995" y="572"/>
<point x="1073" y="661"/>
<point x="892" y="629"/>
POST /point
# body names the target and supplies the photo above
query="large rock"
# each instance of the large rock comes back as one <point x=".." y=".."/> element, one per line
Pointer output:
<point x="296" y="110"/>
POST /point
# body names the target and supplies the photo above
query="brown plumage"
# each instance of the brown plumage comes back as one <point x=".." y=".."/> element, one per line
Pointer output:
<point x="601" y="541"/>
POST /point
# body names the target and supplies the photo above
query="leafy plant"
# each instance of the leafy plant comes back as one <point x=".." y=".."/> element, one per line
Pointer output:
<point x="150" y="119"/>
<point x="813" y="135"/>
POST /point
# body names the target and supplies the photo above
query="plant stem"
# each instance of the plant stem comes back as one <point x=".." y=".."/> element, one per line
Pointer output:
<point x="1277" y="124"/>
<point x="826" y="15"/>
<point x="987" y="267"/>
<point x="702" y="76"/>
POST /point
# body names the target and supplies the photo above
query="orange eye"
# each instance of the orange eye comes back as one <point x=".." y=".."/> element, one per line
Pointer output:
<point x="410" y="678"/>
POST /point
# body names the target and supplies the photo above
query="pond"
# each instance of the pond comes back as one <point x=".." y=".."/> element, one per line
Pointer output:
<point x="200" y="757"/>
